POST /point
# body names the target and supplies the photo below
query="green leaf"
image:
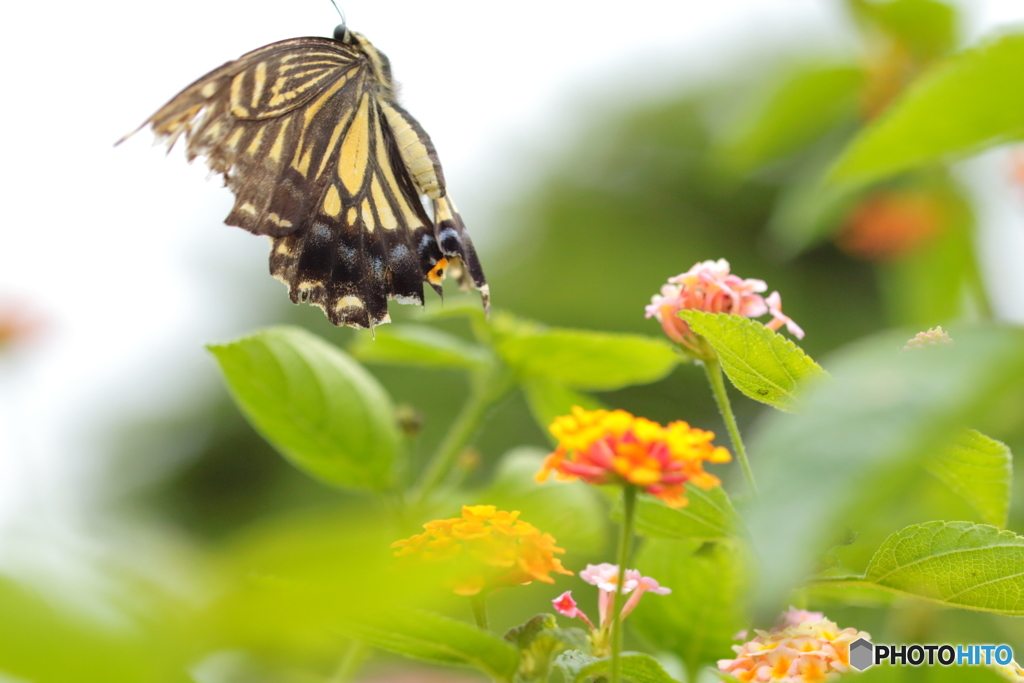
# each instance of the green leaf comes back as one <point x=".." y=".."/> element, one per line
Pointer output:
<point x="860" y="433"/>
<point x="569" y="511"/>
<point x="970" y="102"/>
<point x="957" y="564"/>
<point x="434" y="638"/>
<point x="761" y="363"/>
<point x="420" y="346"/>
<point x="697" y="620"/>
<point x="710" y="515"/>
<point x="636" y="667"/>
<point x="927" y="27"/>
<point x="548" y="399"/>
<point x="979" y="470"/>
<point x="571" y="662"/>
<point x="594" y="361"/>
<point x="803" y="107"/>
<point x="933" y="674"/>
<point x="539" y="641"/>
<point x="323" y="411"/>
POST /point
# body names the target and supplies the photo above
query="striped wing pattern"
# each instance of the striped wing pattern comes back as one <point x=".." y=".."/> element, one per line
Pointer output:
<point x="323" y="160"/>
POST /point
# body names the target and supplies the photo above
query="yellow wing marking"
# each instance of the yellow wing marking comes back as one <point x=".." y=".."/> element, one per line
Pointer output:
<point x="368" y="216"/>
<point x="411" y="219"/>
<point x="254" y="146"/>
<point x="384" y="212"/>
<point x="261" y="80"/>
<point x="355" y="149"/>
<point x="332" y="202"/>
<point x="234" y="139"/>
<point x="351" y="215"/>
<point x="236" y="96"/>
<point x="414" y="152"/>
<point x="275" y="150"/>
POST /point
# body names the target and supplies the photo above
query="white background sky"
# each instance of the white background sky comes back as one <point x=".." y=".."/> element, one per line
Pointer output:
<point x="123" y="251"/>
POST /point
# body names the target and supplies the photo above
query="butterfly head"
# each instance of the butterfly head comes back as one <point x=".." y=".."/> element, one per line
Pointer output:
<point x="379" y="60"/>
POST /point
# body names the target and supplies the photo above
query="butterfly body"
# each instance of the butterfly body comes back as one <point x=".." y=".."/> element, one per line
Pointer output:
<point x="322" y="159"/>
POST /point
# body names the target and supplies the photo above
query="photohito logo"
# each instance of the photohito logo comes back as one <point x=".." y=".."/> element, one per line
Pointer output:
<point x="865" y="654"/>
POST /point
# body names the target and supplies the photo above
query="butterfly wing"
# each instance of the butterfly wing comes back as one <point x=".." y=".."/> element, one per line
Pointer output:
<point x="322" y="160"/>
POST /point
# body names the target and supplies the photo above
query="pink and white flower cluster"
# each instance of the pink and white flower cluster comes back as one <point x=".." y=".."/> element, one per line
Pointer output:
<point x="710" y="287"/>
<point x="606" y="577"/>
<point x="804" y="647"/>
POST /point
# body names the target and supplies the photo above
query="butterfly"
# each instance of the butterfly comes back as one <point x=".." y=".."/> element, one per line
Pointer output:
<point x="310" y="138"/>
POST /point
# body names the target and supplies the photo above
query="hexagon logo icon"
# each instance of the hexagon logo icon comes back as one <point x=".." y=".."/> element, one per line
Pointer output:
<point x="861" y="654"/>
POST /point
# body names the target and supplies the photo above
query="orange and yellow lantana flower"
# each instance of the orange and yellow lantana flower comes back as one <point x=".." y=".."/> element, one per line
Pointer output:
<point x="614" y="447"/>
<point x="804" y="648"/>
<point x="488" y="549"/>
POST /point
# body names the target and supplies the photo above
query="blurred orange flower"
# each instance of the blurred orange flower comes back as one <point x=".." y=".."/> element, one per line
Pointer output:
<point x="614" y="447"/>
<point x="488" y="548"/>
<point x="888" y="225"/>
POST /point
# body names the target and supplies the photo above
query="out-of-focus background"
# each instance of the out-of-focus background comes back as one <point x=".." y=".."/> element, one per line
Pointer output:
<point x="595" y="149"/>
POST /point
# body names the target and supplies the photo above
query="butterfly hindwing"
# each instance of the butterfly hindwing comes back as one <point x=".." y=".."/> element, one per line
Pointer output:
<point x="322" y="159"/>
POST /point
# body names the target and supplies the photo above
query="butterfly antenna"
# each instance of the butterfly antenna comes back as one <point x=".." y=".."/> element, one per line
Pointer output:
<point x="338" y="10"/>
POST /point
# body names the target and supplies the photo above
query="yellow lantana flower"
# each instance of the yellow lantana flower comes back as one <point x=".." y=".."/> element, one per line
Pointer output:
<point x="488" y="548"/>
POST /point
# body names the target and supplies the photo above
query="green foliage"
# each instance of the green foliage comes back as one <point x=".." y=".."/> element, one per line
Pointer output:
<point x="804" y="106"/>
<point x="318" y="407"/>
<point x="420" y="346"/>
<point x="959" y="564"/>
<point x="761" y="363"/>
<point x="927" y="27"/>
<point x="979" y="97"/>
<point x="548" y="399"/>
<point x="935" y="674"/>
<point x="540" y="641"/>
<point x="591" y="361"/>
<point x="709" y="582"/>
<point x="881" y="414"/>
<point x="437" y="639"/>
<point x="636" y="667"/>
<point x="979" y="470"/>
<point x="708" y="516"/>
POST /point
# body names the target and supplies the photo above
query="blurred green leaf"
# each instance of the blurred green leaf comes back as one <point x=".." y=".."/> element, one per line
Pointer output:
<point x="970" y="102"/>
<point x="595" y="361"/>
<point x="709" y="515"/>
<point x="437" y="639"/>
<point x="880" y="415"/>
<point x="957" y="564"/>
<point x="539" y="641"/>
<point x="419" y="346"/>
<point x="932" y="674"/>
<point x="927" y="27"/>
<point x="707" y="605"/>
<point x="636" y="667"/>
<point x="314" y="404"/>
<point x="569" y="511"/>
<point x="803" y="107"/>
<point x="548" y="399"/>
<point x="979" y="470"/>
<point x="761" y="363"/>
<point x="45" y="643"/>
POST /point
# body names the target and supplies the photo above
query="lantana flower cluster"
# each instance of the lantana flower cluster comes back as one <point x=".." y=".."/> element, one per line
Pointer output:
<point x="710" y="287"/>
<point x="933" y="337"/>
<point x="488" y="548"/>
<point x="606" y="577"/>
<point x="614" y="447"/>
<point x="804" y="648"/>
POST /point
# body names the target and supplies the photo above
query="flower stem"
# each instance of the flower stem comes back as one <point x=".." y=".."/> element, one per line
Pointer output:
<point x="625" y="545"/>
<point x="479" y="603"/>
<point x="350" y="662"/>
<point x="488" y="387"/>
<point x="713" y="368"/>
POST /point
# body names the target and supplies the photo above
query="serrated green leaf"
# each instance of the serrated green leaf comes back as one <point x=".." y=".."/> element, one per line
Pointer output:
<point x="709" y="583"/>
<point x="860" y="433"/>
<point x="319" y="408"/>
<point x="548" y="399"/>
<point x="958" y="564"/>
<point x="761" y="363"/>
<point x="434" y="638"/>
<point x="594" y="361"/>
<point x="805" y="104"/>
<point x="636" y="667"/>
<point x="979" y="470"/>
<point x="709" y="515"/>
<point x="420" y="346"/>
<point x="970" y="102"/>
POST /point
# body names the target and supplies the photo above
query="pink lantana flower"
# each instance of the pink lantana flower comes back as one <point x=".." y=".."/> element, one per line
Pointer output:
<point x="606" y="577"/>
<point x="710" y="287"/>
<point x="804" y="647"/>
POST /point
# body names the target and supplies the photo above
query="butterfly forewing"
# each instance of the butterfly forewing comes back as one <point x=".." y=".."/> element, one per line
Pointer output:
<point x="322" y="159"/>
